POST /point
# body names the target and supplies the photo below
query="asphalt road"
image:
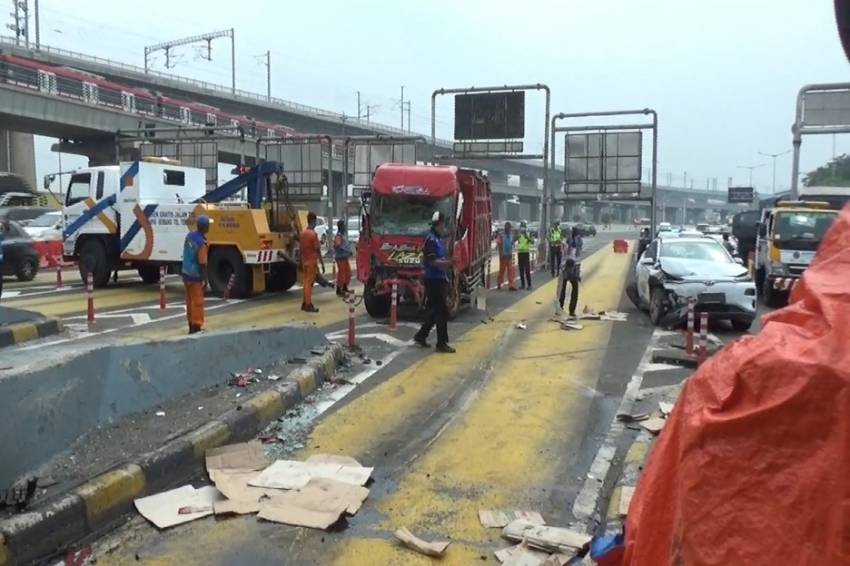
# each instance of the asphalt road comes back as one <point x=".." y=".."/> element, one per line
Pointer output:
<point x="513" y="420"/>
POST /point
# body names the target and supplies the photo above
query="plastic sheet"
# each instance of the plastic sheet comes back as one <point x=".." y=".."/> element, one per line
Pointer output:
<point x="753" y="466"/>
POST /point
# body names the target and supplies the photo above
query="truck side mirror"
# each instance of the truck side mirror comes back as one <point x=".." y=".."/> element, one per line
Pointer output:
<point x="47" y="180"/>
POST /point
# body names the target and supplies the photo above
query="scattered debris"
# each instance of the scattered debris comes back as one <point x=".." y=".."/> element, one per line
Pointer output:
<point x="239" y="381"/>
<point x="317" y="505"/>
<point x="665" y="408"/>
<point x="236" y="507"/>
<point x="614" y="316"/>
<point x="521" y="554"/>
<point x="521" y="326"/>
<point x="46" y="481"/>
<point x="297" y="360"/>
<point x="160" y="413"/>
<point x="292" y="474"/>
<point x="568" y="325"/>
<point x="627" y="418"/>
<point x="626" y="493"/>
<point x="273" y="377"/>
<point x="244" y="456"/>
<point x="499" y="518"/>
<point x="653" y="425"/>
<point x="258" y="371"/>
<point x="550" y="539"/>
<point x="318" y="351"/>
<point x="164" y="509"/>
<point x="78" y="556"/>
<point x="436" y="548"/>
<point x="18" y="495"/>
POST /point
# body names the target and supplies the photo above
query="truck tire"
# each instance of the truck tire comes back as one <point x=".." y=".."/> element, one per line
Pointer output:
<point x="282" y="277"/>
<point x="741" y="324"/>
<point x="378" y="306"/>
<point x="772" y="297"/>
<point x="225" y="261"/>
<point x="27" y="269"/>
<point x="93" y="260"/>
<point x="149" y="273"/>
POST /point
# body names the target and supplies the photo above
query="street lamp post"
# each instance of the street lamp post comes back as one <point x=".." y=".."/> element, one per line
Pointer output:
<point x="774" y="156"/>
<point x="751" y="167"/>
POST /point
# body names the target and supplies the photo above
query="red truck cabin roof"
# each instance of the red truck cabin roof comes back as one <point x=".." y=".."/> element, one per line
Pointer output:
<point x="435" y="181"/>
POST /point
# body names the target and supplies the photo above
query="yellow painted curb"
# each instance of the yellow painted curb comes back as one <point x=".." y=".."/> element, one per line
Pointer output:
<point x="24" y="332"/>
<point x="211" y="435"/>
<point x="637" y="453"/>
<point x="614" y="503"/>
<point x="269" y="405"/>
<point x="4" y="551"/>
<point x="306" y="383"/>
<point x="107" y="491"/>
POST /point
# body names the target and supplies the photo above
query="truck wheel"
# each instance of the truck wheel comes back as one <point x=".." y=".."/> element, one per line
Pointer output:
<point x="282" y="277"/>
<point x="772" y="297"/>
<point x="224" y="262"/>
<point x="760" y="280"/>
<point x="378" y="306"/>
<point x="27" y="269"/>
<point x="93" y="260"/>
<point x="741" y="324"/>
<point x="149" y="273"/>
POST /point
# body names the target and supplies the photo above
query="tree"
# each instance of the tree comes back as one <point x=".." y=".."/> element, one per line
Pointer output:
<point x="836" y="173"/>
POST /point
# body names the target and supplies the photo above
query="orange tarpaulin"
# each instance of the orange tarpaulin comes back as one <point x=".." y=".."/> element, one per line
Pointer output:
<point x="753" y="466"/>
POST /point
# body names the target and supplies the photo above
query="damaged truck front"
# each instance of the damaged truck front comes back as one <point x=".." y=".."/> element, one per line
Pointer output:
<point x="395" y="221"/>
<point x="674" y="270"/>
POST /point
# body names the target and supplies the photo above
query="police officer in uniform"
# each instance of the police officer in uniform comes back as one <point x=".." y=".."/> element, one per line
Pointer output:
<point x="524" y="242"/>
<point x="436" y="263"/>
<point x="555" y="249"/>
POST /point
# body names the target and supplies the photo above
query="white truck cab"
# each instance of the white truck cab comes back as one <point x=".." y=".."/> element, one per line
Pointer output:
<point x="134" y="214"/>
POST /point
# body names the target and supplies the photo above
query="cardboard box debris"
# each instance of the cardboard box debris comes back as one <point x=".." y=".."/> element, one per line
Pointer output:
<point x="332" y="459"/>
<point x="614" y="316"/>
<point x="163" y="509"/>
<point x="243" y="456"/>
<point x="499" y="518"/>
<point x="435" y="548"/>
<point x="551" y="539"/>
<point x="233" y="484"/>
<point x="521" y="554"/>
<point x="236" y="507"/>
<point x="665" y="408"/>
<point x="626" y="493"/>
<point x="318" y="505"/>
<point x="292" y="474"/>
<point x="653" y="425"/>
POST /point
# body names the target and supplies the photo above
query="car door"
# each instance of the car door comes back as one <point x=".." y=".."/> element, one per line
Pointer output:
<point x="78" y="192"/>
<point x="643" y="269"/>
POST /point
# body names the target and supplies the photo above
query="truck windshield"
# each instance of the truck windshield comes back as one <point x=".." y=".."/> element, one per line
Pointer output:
<point x="408" y="215"/>
<point x="802" y="225"/>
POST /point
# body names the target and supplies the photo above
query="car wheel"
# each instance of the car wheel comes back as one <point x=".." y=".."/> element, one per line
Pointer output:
<point x="27" y="269"/>
<point x="657" y="308"/>
<point x="741" y="324"/>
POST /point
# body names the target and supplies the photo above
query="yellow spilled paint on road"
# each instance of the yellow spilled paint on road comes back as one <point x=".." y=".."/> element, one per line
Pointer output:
<point x="496" y="452"/>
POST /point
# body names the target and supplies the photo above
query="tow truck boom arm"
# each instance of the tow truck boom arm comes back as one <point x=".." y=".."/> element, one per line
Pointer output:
<point x="253" y="180"/>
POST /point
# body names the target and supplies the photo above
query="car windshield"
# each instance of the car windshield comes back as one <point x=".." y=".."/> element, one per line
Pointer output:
<point x="802" y="225"/>
<point x="708" y="250"/>
<point x="45" y="220"/>
<point x="408" y="215"/>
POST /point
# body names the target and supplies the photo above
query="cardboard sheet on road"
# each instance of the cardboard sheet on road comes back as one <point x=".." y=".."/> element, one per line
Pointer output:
<point x="521" y="555"/>
<point x="653" y="425"/>
<point x="435" y="548"/>
<point x="499" y="518"/>
<point x="244" y="456"/>
<point x="318" y="505"/>
<point x="551" y="539"/>
<point x="236" y="507"/>
<point x="163" y="509"/>
<point x="292" y="474"/>
<point x="233" y="484"/>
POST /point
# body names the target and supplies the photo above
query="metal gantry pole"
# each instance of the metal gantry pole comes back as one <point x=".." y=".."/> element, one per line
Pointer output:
<point x="37" y="27"/>
<point x="233" y="60"/>
<point x="269" y="75"/>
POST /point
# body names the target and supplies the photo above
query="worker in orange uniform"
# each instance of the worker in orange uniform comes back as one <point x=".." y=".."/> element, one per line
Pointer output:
<point x="342" y="255"/>
<point x="311" y="255"/>
<point x="505" y="244"/>
<point x="194" y="271"/>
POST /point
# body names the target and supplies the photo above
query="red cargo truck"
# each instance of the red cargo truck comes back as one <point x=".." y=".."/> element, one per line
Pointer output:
<point x="395" y="220"/>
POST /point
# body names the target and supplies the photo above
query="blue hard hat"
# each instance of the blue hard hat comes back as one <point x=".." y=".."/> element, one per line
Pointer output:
<point x="204" y="221"/>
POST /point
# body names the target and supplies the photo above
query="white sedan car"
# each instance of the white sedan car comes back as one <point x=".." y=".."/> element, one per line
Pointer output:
<point x="673" y="270"/>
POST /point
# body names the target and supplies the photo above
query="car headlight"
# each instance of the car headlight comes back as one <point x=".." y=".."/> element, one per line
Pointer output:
<point x="778" y="268"/>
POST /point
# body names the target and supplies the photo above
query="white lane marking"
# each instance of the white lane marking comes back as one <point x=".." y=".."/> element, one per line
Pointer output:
<point x="10" y="294"/>
<point x="138" y="318"/>
<point x="584" y="505"/>
<point x="391" y="340"/>
<point x="343" y="391"/>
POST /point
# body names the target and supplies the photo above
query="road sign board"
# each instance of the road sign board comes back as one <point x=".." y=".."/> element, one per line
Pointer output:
<point x="740" y="195"/>
<point x="826" y="108"/>
<point x="490" y="116"/>
<point x="607" y="162"/>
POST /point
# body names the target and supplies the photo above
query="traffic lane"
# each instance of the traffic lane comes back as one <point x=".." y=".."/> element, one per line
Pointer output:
<point x="499" y="426"/>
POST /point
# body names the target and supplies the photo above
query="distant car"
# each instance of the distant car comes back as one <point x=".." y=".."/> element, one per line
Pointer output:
<point x="46" y="227"/>
<point x="22" y="214"/>
<point x="703" y="227"/>
<point x="20" y="257"/>
<point x="353" y="228"/>
<point x="676" y="269"/>
<point x="587" y="230"/>
<point x="664" y="227"/>
<point x="322" y="230"/>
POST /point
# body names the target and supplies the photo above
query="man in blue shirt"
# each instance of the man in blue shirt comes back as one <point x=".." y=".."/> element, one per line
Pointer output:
<point x="195" y="251"/>
<point x="436" y="266"/>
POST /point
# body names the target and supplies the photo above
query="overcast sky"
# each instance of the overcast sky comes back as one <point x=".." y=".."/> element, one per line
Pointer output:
<point x="722" y="74"/>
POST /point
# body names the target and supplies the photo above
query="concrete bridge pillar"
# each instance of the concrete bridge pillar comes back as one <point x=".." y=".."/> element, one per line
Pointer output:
<point x="17" y="155"/>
